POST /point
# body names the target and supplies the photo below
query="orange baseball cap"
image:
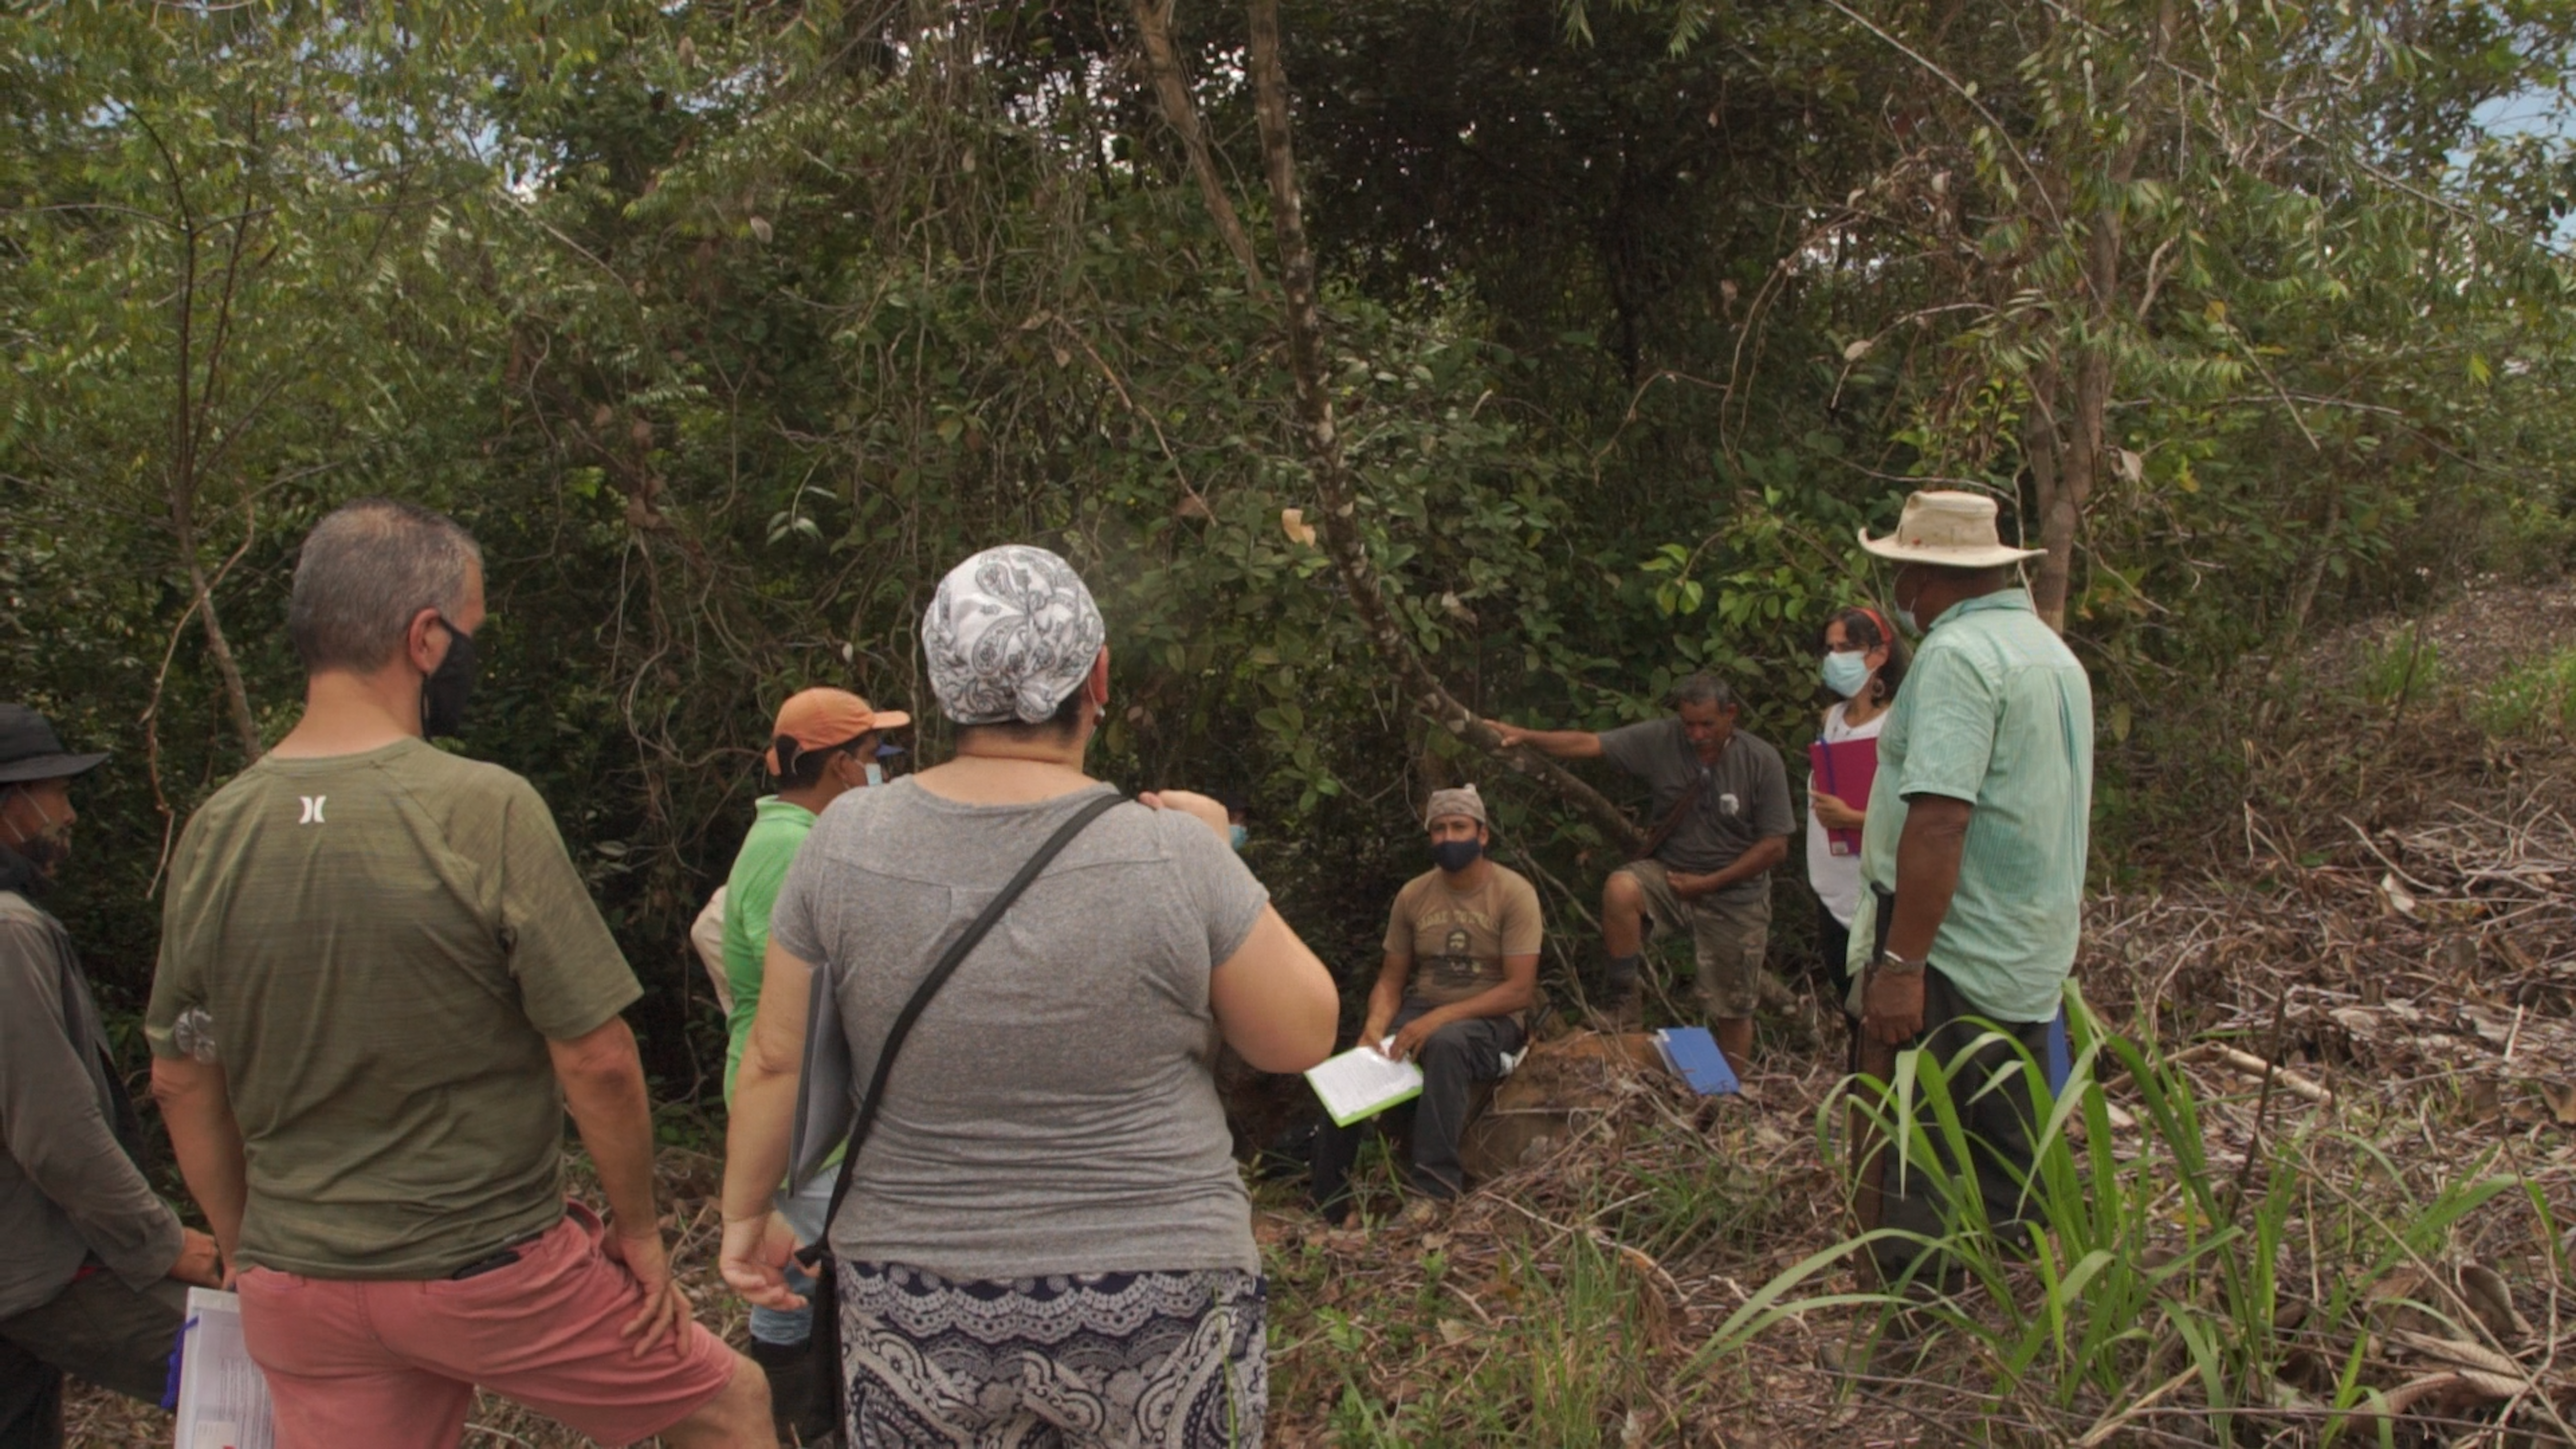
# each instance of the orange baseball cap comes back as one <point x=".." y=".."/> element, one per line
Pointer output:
<point x="818" y="719"/>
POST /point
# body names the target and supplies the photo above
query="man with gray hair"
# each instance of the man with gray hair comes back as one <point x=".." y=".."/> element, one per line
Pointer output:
<point x="1720" y="800"/>
<point x="382" y="984"/>
<point x="1461" y="966"/>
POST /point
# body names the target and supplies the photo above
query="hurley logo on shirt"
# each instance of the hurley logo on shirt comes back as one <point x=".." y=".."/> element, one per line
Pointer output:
<point x="313" y="810"/>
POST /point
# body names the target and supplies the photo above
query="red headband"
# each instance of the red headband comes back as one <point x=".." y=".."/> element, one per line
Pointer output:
<point x="1886" y="635"/>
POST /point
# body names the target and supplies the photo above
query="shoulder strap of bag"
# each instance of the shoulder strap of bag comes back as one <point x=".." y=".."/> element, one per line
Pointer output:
<point x="1655" y="839"/>
<point x="955" y="956"/>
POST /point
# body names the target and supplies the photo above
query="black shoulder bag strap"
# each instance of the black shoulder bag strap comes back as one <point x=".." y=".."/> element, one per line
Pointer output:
<point x="955" y="956"/>
<point x="1672" y="820"/>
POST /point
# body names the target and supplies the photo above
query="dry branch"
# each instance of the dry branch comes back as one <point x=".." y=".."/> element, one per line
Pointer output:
<point x="1154" y="26"/>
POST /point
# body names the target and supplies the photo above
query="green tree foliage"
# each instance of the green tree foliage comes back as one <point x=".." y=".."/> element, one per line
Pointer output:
<point x="728" y="328"/>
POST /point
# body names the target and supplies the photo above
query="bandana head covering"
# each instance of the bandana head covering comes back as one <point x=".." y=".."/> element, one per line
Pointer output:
<point x="1011" y="632"/>
<point x="1461" y="801"/>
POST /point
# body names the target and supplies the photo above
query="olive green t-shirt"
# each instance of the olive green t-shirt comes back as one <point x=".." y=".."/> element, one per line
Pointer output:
<point x="378" y="947"/>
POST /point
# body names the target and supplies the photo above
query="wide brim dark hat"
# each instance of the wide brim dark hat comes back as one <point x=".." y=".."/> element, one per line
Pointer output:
<point x="30" y="750"/>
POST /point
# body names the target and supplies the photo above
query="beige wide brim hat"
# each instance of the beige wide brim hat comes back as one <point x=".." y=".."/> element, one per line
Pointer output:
<point x="1947" y="530"/>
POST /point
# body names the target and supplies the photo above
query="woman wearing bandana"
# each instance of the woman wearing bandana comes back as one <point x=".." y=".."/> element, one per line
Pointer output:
<point x="1045" y="1240"/>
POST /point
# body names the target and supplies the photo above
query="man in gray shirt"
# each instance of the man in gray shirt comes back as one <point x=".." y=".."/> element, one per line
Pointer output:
<point x="1720" y="812"/>
<point x="91" y="1262"/>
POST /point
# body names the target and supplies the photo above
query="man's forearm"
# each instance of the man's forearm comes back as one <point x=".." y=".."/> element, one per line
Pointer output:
<point x="1927" y="872"/>
<point x="1500" y="1000"/>
<point x="1766" y="853"/>
<point x="197" y="1110"/>
<point x="1563" y="744"/>
<point x="1386" y="998"/>
<point x="615" y="1119"/>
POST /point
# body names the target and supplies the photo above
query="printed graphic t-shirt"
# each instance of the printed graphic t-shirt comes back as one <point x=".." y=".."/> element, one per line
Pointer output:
<point x="1746" y="800"/>
<point x="379" y="946"/>
<point x="1458" y="939"/>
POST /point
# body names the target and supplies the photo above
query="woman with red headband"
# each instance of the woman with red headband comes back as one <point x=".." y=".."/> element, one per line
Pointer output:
<point x="1864" y="661"/>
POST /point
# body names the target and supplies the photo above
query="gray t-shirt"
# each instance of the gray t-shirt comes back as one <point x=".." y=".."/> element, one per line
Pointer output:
<point x="1746" y="800"/>
<point x="1055" y="1109"/>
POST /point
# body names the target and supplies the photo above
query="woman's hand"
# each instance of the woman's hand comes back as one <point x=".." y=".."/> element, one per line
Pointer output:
<point x="754" y="1258"/>
<point x="1836" y="815"/>
<point x="1189" y="802"/>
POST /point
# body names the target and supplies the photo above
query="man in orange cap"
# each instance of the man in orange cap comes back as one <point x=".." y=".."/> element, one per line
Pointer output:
<point x="826" y="741"/>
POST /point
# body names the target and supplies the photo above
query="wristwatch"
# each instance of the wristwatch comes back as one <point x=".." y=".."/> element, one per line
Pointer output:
<point x="1889" y="961"/>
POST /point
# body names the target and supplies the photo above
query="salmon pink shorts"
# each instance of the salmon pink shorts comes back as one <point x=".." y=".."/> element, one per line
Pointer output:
<point x="395" y="1365"/>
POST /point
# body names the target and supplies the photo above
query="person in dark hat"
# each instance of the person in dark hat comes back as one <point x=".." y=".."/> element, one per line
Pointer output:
<point x="92" y="1263"/>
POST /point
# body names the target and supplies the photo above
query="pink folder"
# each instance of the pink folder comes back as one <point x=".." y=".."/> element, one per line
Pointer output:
<point x="1844" y="770"/>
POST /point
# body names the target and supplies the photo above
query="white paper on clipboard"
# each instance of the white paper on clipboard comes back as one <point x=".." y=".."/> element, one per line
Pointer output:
<point x="223" y="1399"/>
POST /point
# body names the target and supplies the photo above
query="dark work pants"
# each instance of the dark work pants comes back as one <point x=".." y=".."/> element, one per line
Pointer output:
<point x="1833" y="947"/>
<point x="96" y="1329"/>
<point x="1999" y="1122"/>
<point x="1453" y="1061"/>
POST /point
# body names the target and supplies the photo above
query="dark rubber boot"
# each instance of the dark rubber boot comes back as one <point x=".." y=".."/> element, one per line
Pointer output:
<point x="800" y="1398"/>
<point x="1622" y="1004"/>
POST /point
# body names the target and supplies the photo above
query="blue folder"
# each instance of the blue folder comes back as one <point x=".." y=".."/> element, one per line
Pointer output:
<point x="1694" y="1057"/>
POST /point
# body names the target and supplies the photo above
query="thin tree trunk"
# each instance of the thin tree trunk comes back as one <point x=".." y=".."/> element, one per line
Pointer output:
<point x="1333" y="483"/>
<point x="182" y="498"/>
<point x="236" y="694"/>
<point x="1154" y="24"/>
<point x="2044" y="448"/>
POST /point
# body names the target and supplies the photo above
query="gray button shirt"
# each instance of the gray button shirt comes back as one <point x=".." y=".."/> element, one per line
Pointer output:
<point x="68" y="1189"/>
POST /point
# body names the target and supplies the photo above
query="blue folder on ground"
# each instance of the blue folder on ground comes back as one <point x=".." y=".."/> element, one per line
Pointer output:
<point x="1693" y="1055"/>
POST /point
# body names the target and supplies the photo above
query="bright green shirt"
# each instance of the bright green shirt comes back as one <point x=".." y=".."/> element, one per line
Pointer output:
<point x="777" y="828"/>
<point x="1995" y="711"/>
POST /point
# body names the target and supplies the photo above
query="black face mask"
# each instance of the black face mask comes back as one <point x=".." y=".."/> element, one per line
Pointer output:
<point x="1456" y="855"/>
<point x="443" y="694"/>
<point x="44" y="852"/>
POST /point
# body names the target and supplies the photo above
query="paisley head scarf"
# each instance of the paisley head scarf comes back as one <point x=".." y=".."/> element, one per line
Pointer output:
<point x="1010" y="634"/>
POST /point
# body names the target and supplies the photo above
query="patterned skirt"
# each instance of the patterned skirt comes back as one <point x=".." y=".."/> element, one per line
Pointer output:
<point x="1173" y="1360"/>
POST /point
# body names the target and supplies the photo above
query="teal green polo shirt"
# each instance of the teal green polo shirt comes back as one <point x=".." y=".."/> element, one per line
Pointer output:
<point x="1995" y="711"/>
<point x="777" y="828"/>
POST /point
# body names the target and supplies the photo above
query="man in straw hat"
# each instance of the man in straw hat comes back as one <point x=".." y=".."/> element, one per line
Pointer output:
<point x="1973" y="851"/>
<point x="1461" y="966"/>
<point x="93" y="1265"/>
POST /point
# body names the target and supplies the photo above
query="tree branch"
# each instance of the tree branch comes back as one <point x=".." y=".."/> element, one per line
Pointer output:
<point x="1333" y="482"/>
<point x="1154" y="24"/>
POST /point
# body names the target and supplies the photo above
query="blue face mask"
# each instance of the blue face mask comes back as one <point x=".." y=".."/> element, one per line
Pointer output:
<point x="1236" y="835"/>
<point x="876" y="774"/>
<point x="1454" y="856"/>
<point x="1846" y="671"/>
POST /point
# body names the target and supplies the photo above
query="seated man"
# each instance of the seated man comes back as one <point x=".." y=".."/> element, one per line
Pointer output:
<point x="1472" y="927"/>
